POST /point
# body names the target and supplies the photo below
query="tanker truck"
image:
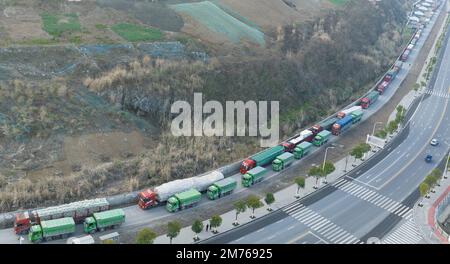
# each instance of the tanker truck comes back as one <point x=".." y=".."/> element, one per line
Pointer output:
<point x="152" y="197"/>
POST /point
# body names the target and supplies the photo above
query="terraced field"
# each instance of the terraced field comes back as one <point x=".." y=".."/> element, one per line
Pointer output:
<point x="218" y="21"/>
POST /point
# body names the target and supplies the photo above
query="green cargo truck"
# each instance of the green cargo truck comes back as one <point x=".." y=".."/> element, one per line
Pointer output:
<point x="49" y="229"/>
<point x="282" y="161"/>
<point x="357" y="115"/>
<point x="221" y="188"/>
<point x="253" y="176"/>
<point x="183" y="200"/>
<point x="322" y="138"/>
<point x="302" y="149"/>
<point x="101" y="221"/>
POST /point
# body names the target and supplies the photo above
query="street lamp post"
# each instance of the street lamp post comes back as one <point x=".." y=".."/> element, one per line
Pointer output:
<point x="374" y="126"/>
<point x="324" y="160"/>
<point x="346" y="162"/>
<point x="446" y="166"/>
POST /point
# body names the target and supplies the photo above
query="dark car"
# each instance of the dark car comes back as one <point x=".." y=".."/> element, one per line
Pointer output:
<point x="428" y="158"/>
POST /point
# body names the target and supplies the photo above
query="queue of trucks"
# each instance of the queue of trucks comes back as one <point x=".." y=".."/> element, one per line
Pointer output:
<point x="59" y="221"/>
<point x="47" y="230"/>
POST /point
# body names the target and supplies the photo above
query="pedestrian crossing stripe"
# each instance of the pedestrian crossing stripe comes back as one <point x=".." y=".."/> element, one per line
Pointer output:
<point x="407" y="233"/>
<point x="373" y="197"/>
<point x="320" y="225"/>
<point x="440" y="94"/>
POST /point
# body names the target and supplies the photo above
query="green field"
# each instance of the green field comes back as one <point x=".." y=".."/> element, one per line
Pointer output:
<point x="56" y="25"/>
<point x="339" y="2"/>
<point x="133" y="32"/>
<point x="219" y="21"/>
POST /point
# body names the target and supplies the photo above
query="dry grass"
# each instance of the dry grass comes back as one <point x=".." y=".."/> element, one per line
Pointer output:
<point x="173" y="158"/>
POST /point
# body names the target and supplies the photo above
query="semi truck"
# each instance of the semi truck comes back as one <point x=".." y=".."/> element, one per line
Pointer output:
<point x="253" y="176"/>
<point x="305" y="135"/>
<point x="261" y="159"/>
<point x="183" y="200"/>
<point x="371" y="98"/>
<point x="283" y="161"/>
<point x="316" y="129"/>
<point x="345" y="112"/>
<point x="77" y="210"/>
<point x="356" y="116"/>
<point x="382" y="87"/>
<point x="221" y="188"/>
<point x="405" y="55"/>
<point x="322" y="138"/>
<point x="302" y="149"/>
<point x="50" y="229"/>
<point x="328" y="124"/>
<point x="342" y="125"/>
<point x="160" y="194"/>
<point x="103" y="220"/>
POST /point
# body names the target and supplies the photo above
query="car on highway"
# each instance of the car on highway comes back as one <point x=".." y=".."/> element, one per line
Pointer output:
<point x="428" y="158"/>
<point x="434" y="142"/>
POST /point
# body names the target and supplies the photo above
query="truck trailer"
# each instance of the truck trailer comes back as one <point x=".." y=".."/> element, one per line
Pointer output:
<point x="405" y="55"/>
<point x="50" y="229"/>
<point x="305" y="135"/>
<point x="371" y="98"/>
<point x="328" y="124"/>
<point x="283" y="161"/>
<point x="221" y="188"/>
<point x="253" y="176"/>
<point x="322" y="138"/>
<point x="183" y="200"/>
<point x="160" y="194"/>
<point x="342" y="125"/>
<point x="261" y="159"/>
<point x="302" y="150"/>
<point x="103" y="220"/>
<point x="382" y="87"/>
<point x="356" y="116"/>
<point x="348" y="111"/>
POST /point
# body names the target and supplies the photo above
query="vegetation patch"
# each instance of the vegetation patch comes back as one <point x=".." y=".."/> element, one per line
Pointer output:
<point x="339" y="2"/>
<point x="56" y="25"/>
<point x="133" y="32"/>
<point x="219" y="21"/>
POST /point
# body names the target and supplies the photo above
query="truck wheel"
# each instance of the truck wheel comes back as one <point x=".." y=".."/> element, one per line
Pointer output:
<point x="102" y="229"/>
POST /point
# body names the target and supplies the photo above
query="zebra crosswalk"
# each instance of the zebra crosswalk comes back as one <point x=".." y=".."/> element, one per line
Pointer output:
<point x="407" y="233"/>
<point x="375" y="198"/>
<point x="440" y="94"/>
<point x="321" y="225"/>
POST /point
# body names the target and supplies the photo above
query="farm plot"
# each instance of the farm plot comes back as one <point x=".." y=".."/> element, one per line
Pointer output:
<point x="133" y="32"/>
<point x="218" y="21"/>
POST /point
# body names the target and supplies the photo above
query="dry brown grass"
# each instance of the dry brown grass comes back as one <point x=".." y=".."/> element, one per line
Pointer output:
<point x="173" y="158"/>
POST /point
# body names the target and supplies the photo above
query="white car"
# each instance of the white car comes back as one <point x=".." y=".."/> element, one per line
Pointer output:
<point x="434" y="142"/>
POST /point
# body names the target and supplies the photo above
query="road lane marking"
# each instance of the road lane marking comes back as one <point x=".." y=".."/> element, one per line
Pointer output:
<point x="424" y="146"/>
<point x="370" y="196"/>
<point x="317" y="223"/>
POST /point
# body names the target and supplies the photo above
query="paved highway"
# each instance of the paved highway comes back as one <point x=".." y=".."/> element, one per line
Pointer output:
<point x="367" y="203"/>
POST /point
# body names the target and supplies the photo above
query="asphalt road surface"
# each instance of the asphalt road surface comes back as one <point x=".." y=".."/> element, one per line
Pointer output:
<point x="369" y="202"/>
